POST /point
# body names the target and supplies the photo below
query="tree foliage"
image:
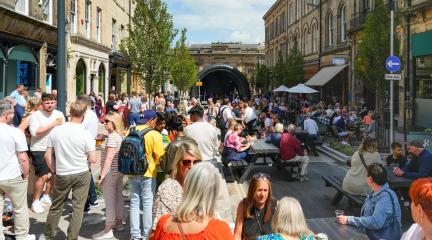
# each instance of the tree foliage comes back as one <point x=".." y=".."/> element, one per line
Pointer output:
<point x="183" y="70"/>
<point x="148" y="46"/>
<point x="262" y="77"/>
<point x="374" y="48"/>
<point x="294" y="68"/>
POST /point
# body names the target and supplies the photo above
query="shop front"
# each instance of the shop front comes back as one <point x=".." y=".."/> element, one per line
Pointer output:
<point x="422" y="61"/>
<point x="21" y="68"/>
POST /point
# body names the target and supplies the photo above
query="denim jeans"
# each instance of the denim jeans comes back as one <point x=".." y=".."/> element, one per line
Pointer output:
<point x="92" y="195"/>
<point x="134" y="118"/>
<point x="142" y="191"/>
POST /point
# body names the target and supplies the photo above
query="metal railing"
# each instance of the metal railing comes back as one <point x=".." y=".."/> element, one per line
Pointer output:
<point x="358" y="21"/>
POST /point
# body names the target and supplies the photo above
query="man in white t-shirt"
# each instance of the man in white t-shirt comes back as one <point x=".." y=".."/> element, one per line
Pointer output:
<point x="225" y="111"/>
<point x="249" y="117"/>
<point x="203" y="133"/>
<point x="41" y="124"/>
<point x="73" y="147"/>
<point x="14" y="171"/>
<point x="91" y="124"/>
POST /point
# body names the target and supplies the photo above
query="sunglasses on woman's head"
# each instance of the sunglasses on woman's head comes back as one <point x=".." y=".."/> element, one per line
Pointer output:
<point x="106" y="121"/>
<point x="188" y="163"/>
<point x="261" y="176"/>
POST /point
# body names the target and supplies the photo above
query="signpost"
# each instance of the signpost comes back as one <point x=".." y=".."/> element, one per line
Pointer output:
<point x="393" y="64"/>
<point x="199" y="85"/>
<point x="393" y="77"/>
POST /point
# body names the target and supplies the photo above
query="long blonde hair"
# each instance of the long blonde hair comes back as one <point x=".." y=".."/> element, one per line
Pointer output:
<point x="31" y="104"/>
<point x="185" y="147"/>
<point x="117" y="122"/>
<point x="289" y="218"/>
<point x="201" y="188"/>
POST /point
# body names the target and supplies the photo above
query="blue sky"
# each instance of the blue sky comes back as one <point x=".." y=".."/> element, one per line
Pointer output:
<point x="220" y="20"/>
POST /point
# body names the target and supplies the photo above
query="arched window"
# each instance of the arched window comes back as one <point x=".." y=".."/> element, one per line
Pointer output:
<point x="305" y="42"/>
<point x="343" y="24"/>
<point x="101" y="79"/>
<point x="80" y="77"/>
<point x="314" y="34"/>
<point x="330" y="29"/>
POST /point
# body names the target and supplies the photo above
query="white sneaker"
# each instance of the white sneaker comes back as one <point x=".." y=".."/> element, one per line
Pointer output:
<point x="103" y="235"/>
<point x="45" y="199"/>
<point x="30" y="237"/>
<point x="37" y="207"/>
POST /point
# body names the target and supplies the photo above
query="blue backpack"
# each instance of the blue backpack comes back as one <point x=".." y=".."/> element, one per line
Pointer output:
<point x="131" y="158"/>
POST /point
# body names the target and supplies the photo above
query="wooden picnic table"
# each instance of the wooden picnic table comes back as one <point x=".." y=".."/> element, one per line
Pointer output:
<point x="333" y="229"/>
<point x="396" y="181"/>
<point x="259" y="148"/>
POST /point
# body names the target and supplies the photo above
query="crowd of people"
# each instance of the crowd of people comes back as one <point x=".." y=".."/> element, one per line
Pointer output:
<point x="182" y="141"/>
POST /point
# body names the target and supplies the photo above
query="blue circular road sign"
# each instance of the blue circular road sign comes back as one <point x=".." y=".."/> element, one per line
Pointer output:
<point x="393" y="64"/>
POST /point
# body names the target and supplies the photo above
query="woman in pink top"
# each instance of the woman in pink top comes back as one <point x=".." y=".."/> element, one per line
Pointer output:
<point x="236" y="146"/>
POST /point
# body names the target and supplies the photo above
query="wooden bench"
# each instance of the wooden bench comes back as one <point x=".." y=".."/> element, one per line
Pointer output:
<point x="336" y="182"/>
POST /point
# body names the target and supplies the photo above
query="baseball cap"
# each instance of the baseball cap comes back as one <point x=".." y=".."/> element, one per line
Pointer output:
<point x="149" y="115"/>
<point x="416" y="143"/>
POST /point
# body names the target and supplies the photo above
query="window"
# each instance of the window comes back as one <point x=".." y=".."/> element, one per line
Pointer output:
<point x="330" y="30"/>
<point x="305" y="42"/>
<point x="314" y="33"/>
<point x="122" y="32"/>
<point x="73" y="18"/>
<point x="87" y="18"/>
<point x="366" y="5"/>
<point x="423" y="78"/>
<point x="343" y="25"/>
<point x="291" y="13"/>
<point x="98" y="25"/>
<point x="22" y="6"/>
<point x="297" y="10"/>
<point x="47" y="11"/>
<point x="114" y="33"/>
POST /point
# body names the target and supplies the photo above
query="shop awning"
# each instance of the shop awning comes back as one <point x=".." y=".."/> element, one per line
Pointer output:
<point x="325" y="75"/>
<point x="421" y="44"/>
<point x="22" y="53"/>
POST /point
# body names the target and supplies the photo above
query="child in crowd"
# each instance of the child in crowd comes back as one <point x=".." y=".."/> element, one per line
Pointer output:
<point x="396" y="158"/>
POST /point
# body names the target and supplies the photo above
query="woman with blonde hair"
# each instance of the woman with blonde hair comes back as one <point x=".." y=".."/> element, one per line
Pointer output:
<point x="33" y="105"/>
<point x="110" y="178"/>
<point x="170" y="192"/>
<point x="194" y="217"/>
<point x="254" y="213"/>
<point x="354" y="181"/>
<point x="288" y="222"/>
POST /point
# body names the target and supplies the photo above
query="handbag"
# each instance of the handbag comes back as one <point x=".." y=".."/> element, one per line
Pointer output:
<point x="389" y="232"/>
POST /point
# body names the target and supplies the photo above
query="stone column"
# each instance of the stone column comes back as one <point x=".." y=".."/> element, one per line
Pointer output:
<point x="42" y="66"/>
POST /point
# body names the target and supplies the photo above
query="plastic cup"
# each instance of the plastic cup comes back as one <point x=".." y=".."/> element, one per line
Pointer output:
<point x="322" y="236"/>
<point x="339" y="212"/>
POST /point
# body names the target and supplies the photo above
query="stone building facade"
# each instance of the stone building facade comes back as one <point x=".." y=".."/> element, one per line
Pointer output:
<point x="95" y="31"/>
<point x="322" y="29"/>
<point x="28" y="39"/>
<point x="243" y="57"/>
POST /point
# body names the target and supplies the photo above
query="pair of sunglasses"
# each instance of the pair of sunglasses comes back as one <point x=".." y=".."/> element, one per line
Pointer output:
<point x="107" y="121"/>
<point x="261" y="176"/>
<point x="188" y="163"/>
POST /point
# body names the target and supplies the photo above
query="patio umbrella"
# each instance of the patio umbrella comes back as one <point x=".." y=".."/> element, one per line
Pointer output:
<point x="301" y="88"/>
<point x="281" y="88"/>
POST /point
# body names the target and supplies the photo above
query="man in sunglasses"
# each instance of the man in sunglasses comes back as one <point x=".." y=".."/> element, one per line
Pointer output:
<point x="142" y="188"/>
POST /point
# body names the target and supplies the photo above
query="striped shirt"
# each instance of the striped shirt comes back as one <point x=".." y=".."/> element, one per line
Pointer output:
<point x="113" y="140"/>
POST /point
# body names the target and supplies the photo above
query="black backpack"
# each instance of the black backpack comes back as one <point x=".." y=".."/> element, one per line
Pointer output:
<point x="220" y="122"/>
<point x="131" y="158"/>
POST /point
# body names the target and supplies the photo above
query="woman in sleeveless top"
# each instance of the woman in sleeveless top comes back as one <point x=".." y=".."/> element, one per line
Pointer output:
<point x="254" y="213"/>
<point x="110" y="178"/>
<point x="33" y="105"/>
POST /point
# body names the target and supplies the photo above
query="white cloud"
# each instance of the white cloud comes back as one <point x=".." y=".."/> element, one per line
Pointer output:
<point x="222" y="20"/>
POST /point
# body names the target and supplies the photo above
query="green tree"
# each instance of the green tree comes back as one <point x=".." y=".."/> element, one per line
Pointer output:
<point x="148" y="46"/>
<point x="183" y="70"/>
<point x="262" y="74"/>
<point x="294" y="69"/>
<point x="374" y="48"/>
<point x="280" y="70"/>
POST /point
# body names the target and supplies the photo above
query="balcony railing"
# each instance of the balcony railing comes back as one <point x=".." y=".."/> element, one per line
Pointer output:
<point x="358" y="21"/>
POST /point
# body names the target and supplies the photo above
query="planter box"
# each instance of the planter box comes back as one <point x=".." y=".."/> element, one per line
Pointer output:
<point x="334" y="154"/>
<point x="426" y="138"/>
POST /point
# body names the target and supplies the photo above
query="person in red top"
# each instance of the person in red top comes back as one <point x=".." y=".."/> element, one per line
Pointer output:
<point x="290" y="150"/>
<point x="194" y="218"/>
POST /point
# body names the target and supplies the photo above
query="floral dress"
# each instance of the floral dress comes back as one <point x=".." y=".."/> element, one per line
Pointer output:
<point x="277" y="236"/>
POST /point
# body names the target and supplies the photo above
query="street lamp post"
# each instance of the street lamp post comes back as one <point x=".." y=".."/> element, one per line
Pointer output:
<point x="61" y="56"/>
